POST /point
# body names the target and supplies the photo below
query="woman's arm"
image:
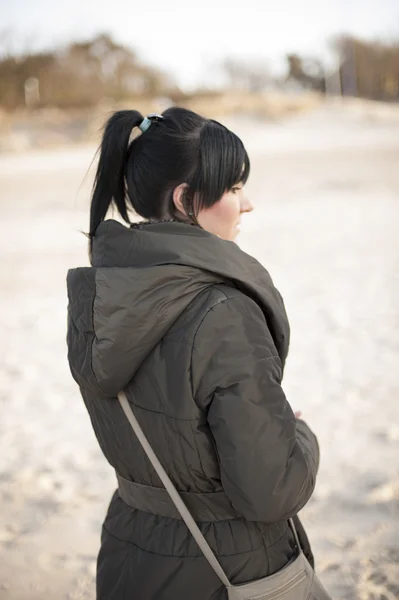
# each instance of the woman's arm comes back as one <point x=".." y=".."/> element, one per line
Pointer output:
<point x="268" y="459"/>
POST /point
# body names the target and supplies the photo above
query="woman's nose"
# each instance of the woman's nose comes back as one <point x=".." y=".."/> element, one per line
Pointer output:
<point x="246" y="205"/>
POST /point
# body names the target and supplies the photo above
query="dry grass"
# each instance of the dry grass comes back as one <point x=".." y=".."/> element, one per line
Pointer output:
<point x="51" y="127"/>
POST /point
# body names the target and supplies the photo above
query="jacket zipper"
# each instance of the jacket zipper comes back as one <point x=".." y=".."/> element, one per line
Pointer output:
<point x="288" y="586"/>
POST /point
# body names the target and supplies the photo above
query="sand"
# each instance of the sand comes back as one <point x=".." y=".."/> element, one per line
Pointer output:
<point x="326" y="189"/>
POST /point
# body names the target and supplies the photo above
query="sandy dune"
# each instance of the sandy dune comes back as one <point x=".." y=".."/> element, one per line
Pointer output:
<point x="326" y="188"/>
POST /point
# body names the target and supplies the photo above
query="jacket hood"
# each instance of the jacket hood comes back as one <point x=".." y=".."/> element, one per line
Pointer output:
<point x="141" y="280"/>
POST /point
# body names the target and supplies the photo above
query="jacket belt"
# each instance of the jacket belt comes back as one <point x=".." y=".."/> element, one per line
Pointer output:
<point x="203" y="507"/>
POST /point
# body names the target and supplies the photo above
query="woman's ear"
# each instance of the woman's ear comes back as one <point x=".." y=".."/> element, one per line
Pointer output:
<point x="178" y="198"/>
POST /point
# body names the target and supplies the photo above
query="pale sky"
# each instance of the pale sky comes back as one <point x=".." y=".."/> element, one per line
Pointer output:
<point x="190" y="38"/>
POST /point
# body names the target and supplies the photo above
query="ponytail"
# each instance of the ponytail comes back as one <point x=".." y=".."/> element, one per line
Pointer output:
<point x="109" y="182"/>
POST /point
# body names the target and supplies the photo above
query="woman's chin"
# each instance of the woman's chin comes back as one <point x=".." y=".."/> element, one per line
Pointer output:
<point x="236" y="231"/>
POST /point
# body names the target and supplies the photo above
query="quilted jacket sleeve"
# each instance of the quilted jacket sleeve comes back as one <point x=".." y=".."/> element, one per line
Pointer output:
<point x="268" y="459"/>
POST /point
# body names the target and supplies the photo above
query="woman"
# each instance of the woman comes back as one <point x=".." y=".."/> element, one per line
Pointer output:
<point x="193" y="330"/>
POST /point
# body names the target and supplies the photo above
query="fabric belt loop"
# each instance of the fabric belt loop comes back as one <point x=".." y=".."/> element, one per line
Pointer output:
<point x="204" y="507"/>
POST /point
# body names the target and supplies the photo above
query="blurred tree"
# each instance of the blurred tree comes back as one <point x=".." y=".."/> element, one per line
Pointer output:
<point x="15" y="71"/>
<point x="368" y="69"/>
<point x="80" y="75"/>
<point x="309" y="73"/>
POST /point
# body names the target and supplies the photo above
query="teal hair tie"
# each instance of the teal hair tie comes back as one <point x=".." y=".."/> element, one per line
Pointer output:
<point x="145" y="124"/>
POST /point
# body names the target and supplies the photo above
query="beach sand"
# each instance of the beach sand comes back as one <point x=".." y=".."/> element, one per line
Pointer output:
<point x="326" y="189"/>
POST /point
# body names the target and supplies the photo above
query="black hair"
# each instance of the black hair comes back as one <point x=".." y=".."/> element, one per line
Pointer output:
<point x="181" y="147"/>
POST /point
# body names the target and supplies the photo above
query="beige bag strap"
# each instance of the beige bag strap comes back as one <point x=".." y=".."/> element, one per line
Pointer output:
<point x="174" y="494"/>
